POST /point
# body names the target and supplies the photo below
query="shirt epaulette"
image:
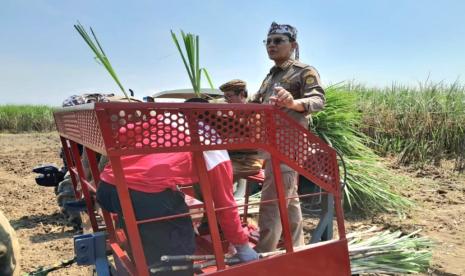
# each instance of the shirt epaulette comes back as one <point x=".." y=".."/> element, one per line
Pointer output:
<point x="300" y="64"/>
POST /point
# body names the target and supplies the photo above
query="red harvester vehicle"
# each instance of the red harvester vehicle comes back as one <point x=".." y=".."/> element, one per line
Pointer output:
<point x="119" y="129"/>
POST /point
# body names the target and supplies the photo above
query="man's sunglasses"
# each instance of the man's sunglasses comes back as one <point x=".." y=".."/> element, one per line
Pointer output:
<point x="276" y="41"/>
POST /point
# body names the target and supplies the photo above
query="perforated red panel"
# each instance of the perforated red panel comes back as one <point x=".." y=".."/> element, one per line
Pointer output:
<point x="67" y="125"/>
<point x="81" y="126"/>
<point x="228" y="126"/>
<point x="90" y="130"/>
<point x="148" y="128"/>
<point x="136" y="128"/>
<point x="306" y="150"/>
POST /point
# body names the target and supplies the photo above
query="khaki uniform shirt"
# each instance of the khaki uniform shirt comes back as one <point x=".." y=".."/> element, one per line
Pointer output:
<point x="302" y="81"/>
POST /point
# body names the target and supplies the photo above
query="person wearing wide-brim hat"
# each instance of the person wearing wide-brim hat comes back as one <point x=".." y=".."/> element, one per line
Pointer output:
<point x="295" y="87"/>
<point x="235" y="91"/>
<point x="245" y="162"/>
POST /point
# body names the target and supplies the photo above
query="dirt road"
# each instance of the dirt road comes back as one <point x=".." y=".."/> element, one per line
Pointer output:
<point x="46" y="237"/>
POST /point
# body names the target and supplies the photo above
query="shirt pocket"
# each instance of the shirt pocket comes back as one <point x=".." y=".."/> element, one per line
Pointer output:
<point x="285" y="84"/>
<point x="293" y="87"/>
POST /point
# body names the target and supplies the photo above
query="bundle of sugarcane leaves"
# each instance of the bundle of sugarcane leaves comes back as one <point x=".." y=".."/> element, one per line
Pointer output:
<point x="385" y="252"/>
<point x="100" y="55"/>
<point x="370" y="185"/>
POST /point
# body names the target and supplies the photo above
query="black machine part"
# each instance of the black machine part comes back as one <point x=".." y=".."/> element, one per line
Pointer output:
<point x="49" y="175"/>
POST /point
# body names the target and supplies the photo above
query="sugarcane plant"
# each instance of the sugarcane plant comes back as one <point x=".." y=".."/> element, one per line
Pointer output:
<point x="100" y="55"/>
<point x="420" y="125"/>
<point x="370" y="251"/>
<point x="376" y="251"/>
<point x="370" y="185"/>
<point x="191" y="60"/>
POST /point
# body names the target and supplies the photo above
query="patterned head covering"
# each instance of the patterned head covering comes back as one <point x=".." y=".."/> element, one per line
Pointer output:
<point x="284" y="29"/>
<point x="287" y="30"/>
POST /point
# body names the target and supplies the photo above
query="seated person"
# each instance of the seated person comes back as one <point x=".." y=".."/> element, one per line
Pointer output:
<point x="245" y="162"/>
<point x="152" y="180"/>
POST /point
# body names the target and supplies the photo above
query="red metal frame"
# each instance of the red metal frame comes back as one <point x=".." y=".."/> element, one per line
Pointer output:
<point x="119" y="129"/>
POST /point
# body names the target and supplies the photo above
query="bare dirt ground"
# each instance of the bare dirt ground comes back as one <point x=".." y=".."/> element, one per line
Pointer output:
<point x="439" y="210"/>
<point x="46" y="237"/>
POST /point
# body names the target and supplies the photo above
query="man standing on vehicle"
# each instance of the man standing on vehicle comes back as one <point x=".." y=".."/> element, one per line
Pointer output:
<point x="294" y="87"/>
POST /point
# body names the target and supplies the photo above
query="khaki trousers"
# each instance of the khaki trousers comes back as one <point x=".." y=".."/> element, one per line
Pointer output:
<point x="269" y="219"/>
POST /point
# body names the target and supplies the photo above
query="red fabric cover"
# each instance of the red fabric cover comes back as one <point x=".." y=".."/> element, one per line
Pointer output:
<point x="153" y="173"/>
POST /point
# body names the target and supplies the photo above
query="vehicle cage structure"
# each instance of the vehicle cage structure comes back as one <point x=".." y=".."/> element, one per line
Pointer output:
<point x="120" y="129"/>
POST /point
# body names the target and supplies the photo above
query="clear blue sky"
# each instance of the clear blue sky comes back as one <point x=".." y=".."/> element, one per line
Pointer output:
<point x="43" y="59"/>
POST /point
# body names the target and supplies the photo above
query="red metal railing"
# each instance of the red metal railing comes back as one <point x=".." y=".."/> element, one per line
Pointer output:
<point x="119" y="129"/>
